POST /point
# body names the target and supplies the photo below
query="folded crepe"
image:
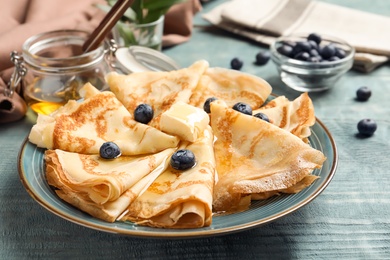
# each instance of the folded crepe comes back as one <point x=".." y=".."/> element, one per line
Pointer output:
<point x="305" y="182"/>
<point x="255" y="157"/>
<point x="231" y="86"/>
<point x="295" y="116"/>
<point x="158" y="89"/>
<point x="82" y="127"/>
<point x="180" y="199"/>
<point x="103" y="188"/>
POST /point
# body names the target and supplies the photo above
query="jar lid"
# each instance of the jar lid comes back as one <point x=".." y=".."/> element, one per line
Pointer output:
<point x="138" y="59"/>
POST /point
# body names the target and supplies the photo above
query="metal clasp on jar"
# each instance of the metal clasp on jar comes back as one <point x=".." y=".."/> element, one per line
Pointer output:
<point x="111" y="58"/>
<point x="17" y="75"/>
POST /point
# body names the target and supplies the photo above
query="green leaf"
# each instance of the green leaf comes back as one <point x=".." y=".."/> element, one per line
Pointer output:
<point x="144" y="11"/>
<point x="130" y="15"/>
<point x="158" y="8"/>
<point x="137" y="7"/>
<point x="151" y="17"/>
<point x="126" y="34"/>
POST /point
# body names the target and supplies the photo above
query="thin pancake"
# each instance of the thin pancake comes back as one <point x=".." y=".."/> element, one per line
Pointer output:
<point x="82" y="127"/>
<point x="103" y="180"/>
<point x="305" y="182"/>
<point x="102" y="188"/>
<point x="295" y="116"/>
<point x="231" y="86"/>
<point x="158" y="89"/>
<point x="254" y="156"/>
<point x="180" y="199"/>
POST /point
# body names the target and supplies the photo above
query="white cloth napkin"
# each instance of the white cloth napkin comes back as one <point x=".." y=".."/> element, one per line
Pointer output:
<point x="264" y="21"/>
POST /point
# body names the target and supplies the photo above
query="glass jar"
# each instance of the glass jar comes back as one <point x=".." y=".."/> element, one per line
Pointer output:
<point x="149" y="35"/>
<point x="56" y="68"/>
<point x="306" y="76"/>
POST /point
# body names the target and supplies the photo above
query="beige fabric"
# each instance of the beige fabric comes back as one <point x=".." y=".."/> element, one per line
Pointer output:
<point x="263" y="21"/>
<point x="25" y="18"/>
<point x="178" y="22"/>
<point x="22" y="19"/>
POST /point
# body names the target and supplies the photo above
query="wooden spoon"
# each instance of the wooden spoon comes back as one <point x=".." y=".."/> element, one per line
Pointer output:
<point x="105" y="26"/>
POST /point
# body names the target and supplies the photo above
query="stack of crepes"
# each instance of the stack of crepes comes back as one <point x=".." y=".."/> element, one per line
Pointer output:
<point x="239" y="157"/>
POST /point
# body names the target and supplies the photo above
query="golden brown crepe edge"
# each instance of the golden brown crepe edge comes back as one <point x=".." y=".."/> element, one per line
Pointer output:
<point x="106" y="212"/>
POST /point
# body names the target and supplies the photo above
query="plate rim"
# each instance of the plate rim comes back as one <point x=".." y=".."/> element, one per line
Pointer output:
<point x="186" y="233"/>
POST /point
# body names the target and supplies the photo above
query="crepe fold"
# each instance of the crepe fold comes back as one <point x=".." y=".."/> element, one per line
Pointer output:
<point x="192" y="85"/>
<point x="100" y="187"/>
<point x="82" y="127"/>
<point x="231" y="86"/>
<point x="158" y="89"/>
<point x="295" y="116"/>
<point x="180" y="199"/>
<point x="256" y="157"/>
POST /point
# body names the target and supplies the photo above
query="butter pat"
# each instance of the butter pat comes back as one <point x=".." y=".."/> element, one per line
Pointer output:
<point x="185" y="121"/>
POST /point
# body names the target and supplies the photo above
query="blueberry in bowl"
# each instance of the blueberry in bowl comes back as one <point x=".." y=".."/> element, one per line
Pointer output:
<point x="311" y="62"/>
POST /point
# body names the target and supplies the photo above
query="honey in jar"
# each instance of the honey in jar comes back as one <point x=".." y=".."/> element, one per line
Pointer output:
<point x="57" y="68"/>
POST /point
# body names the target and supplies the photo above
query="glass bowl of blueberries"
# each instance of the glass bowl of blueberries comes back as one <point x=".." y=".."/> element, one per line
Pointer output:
<point x="311" y="62"/>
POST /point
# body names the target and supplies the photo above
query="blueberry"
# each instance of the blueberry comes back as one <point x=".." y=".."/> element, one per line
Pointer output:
<point x="367" y="127"/>
<point x="313" y="45"/>
<point x="314" y="37"/>
<point x="262" y="58"/>
<point x="328" y="51"/>
<point x="262" y="116"/>
<point x="340" y="53"/>
<point x="289" y="43"/>
<point x="304" y="56"/>
<point x="333" y="58"/>
<point x="286" y="50"/>
<point x="363" y="94"/>
<point x="182" y="159"/>
<point x="236" y="64"/>
<point x="315" y="59"/>
<point x="206" y="105"/>
<point x="143" y="113"/>
<point x="302" y="46"/>
<point x="109" y="150"/>
<point x="243" y="108"/>
<point x="314" y="53"/>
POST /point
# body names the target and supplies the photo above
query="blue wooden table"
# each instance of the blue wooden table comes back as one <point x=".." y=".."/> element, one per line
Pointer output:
<point x="349" y="220"/>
